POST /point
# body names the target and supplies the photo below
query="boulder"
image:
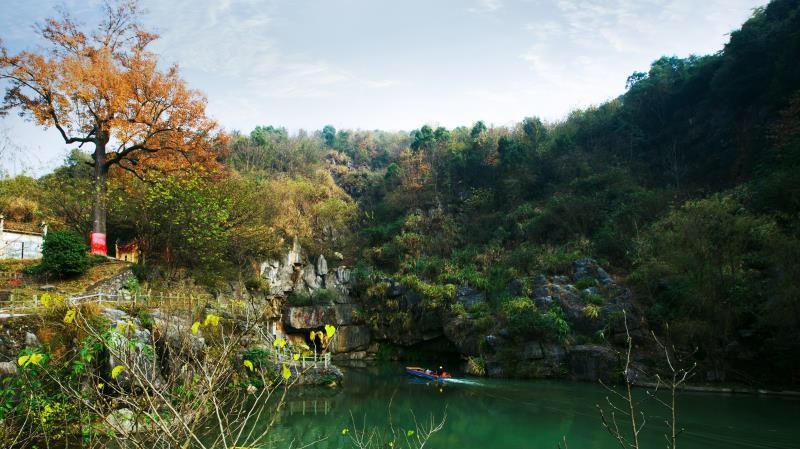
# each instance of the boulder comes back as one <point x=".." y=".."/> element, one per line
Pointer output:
<point x="339" y="280"/>
<point x="543" y="302"/>
<point x="588" y="268"/>
<point x="580" y="322"/>
<point x="532" y="351"/>
<point x="322" y="265"/>
<point x="515" y="287"/>
<point x="311" y="279"/>
<point x="279" y="274"/>
<point x="294" y="256"/>
<point x="469" y="296"/>
<point x="31" y="340"/>
<point x="355" y="356"/>
<point x="298" y="341"/>
<point x="121" y="421"/>
<point x="342" y="275"/>
<point x="411" y="299"/>
<point x="560" y="280"/>
<point x="593" y="363"/>
<point x="131" y="346"/>
<point x="115" y="315"/>
<point x="8" y="369"/>
<point x="350" y="338"/>
<point x="395" y="290"/>
<point x="603" y="277"/>
<point x="554" y="353"/>
<point x="344" y="313"/>
<point x="495" y="369"/>
<point x="309" y="317"/>
<point x="173" y="336"/>
<point x="328" y="376"/>
<point x="461" y="331"/>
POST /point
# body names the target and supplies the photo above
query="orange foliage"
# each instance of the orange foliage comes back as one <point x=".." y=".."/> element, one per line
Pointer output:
<point x="105" y="88"/>
<point x="45" y="335"/>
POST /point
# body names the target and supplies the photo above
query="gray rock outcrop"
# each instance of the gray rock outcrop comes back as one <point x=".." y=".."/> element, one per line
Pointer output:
<point x="469" y="296"/>
<point x="351" y="338"/>
<point x="593" y="363"/>
<point x="308" y="317"/>
<point x="131" y="346"/>
<point x="588" y="268"/>
<point x="294" y="273"/>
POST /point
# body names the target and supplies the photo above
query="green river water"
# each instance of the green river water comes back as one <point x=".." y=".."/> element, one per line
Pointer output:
<point x="490" y="413"/>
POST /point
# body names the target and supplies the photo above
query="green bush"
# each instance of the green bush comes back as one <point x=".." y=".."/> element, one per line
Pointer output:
<point x="521" y="316"/>
<point x="64" y="253"/>
<point x="256" y="283"/>
<point x="554" y="324"/>
<point x="458" y="309"/>
<point x="468" y="273"/>
<point x="97" y="259"/>
<point x="555" y="260"/>
<point x="324" y="296"/>
<point x="592" y="298"/>
<point x="484" y="322"/>
<point x="146" y="319"/>
<point x="141" y="271"/>
<point x="524" y="320"/>
<point x="586" y="282"/>
<point x="132" y="285"/>
<point x="298" y="299"/>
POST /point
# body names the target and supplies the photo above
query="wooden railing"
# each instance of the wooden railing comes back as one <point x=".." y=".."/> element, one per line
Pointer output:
<point x="16" y="304"/>
<point x="315" y="361"/>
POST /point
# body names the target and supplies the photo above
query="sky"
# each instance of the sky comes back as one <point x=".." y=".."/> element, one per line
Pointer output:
<point x="389" y="64"/>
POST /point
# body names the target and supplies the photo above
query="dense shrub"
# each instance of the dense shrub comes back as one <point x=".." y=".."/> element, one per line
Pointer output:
<point x="323" y="296"/>
<point x="524" y="320"/>
<point x="64" y="253"/>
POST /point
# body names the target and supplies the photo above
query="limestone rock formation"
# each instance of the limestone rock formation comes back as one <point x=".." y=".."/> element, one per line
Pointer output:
<point x="350" y="338"/>
<point x="593" y="363"/>
<point x="308" y="317"/>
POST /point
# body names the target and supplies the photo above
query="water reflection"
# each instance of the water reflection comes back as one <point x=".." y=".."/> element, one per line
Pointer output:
<point x="486" y="413"/>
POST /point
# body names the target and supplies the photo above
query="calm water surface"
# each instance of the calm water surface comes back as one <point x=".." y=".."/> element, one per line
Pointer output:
<point x="488" y="413"/>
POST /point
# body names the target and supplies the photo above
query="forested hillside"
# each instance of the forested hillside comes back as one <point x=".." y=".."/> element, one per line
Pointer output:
<point x="686" y="188"/>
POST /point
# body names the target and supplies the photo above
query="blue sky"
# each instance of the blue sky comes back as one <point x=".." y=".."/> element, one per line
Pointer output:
<point x="392" y="64"/>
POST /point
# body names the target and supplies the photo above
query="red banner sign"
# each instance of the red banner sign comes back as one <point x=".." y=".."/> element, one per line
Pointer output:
<point x="97" y="241"/>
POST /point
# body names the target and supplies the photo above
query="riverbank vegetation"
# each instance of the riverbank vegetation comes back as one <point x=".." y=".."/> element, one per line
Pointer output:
<point x="686" y="186"/>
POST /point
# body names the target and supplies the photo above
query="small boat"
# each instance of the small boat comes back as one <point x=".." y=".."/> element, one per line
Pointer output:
<point x="428" y="374"/>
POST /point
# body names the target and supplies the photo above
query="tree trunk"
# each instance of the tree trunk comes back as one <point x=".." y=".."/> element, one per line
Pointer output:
<point x="100" y="208"/>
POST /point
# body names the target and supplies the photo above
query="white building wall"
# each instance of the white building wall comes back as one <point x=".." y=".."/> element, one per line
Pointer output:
<point x="15" y="245"/>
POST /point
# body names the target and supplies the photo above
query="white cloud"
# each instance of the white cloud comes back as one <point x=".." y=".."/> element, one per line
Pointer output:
<point x="486" y="6"/>
<point x="356" y="63"/>
<point x="235" y="40"/>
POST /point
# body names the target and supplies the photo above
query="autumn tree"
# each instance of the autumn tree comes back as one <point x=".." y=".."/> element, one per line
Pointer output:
<point x="103" y="87"/>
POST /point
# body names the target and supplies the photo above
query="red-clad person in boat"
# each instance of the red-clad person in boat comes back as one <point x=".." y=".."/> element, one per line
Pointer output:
<point x="439" y="374"/>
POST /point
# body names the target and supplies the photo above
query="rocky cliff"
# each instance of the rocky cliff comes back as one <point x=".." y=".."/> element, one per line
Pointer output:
<point x="585" y="309"/>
